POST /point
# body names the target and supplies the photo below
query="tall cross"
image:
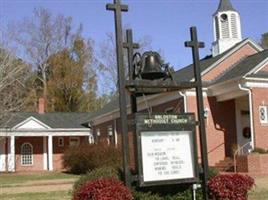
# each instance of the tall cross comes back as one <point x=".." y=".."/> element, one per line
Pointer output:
<point x="130" y="46"/>
<point x="117" y="8"/>
<point x="195" y="45"/>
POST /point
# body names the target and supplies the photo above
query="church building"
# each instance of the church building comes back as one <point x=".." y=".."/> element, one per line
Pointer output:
<point x="235" y="90"/>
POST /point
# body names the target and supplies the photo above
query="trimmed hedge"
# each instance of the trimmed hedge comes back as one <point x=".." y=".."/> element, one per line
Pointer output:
<point x="103" y="189"/>
<point x="81" y="159"/>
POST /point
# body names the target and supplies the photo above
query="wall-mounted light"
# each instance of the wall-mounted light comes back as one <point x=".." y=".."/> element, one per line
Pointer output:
<point x="98" y="132"/>
<point x="206" y="112"/>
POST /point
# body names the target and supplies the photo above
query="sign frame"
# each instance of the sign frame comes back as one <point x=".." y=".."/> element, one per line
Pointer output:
<point x="188" y="124"/>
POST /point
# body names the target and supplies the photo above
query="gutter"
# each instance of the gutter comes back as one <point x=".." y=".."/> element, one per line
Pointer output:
<point x="251" y="112"/>
<point x="183" y="94"/>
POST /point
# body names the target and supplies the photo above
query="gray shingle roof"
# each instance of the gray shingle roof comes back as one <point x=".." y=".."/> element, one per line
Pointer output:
<point x="225" y="5"/>
<point x="184" y="74"/>
<point x="243" y="67"/>
<point x="53" y="120"/>
<point x="187" y="73"/>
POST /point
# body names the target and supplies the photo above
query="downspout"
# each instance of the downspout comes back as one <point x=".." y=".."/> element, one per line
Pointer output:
<point x="115" y="134"/>
<point x="183" y="94"/>
<point x="251" y="113"/>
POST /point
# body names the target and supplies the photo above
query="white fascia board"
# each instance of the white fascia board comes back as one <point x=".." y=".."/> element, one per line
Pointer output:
<point x="256" y="69"/>
<point x="225" y="87"/>
<point x="153" y="100"/>
<point x="31" y="119"/>
<point x="256" y="84"/>
<point x="230" y="95"/>
<point x="43" y="133"/>
<point x="256" y="79"/>
<point x="253" y="44"/>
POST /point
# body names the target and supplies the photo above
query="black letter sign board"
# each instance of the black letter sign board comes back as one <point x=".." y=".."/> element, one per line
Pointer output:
<point x="166" y="147"/>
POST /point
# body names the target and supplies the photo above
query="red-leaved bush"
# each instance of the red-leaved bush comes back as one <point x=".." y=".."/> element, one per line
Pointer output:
<point x="103" y="189"/>
<point x="230" y="186"/>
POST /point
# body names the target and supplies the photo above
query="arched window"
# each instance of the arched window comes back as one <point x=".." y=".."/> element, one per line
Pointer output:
<point x="26" y="154"/>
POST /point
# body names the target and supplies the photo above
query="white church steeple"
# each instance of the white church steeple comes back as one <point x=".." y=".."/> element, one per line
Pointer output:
<point x="227" y="28"/>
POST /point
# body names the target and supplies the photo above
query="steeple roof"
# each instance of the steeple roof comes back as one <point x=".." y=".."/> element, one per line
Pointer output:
<point x="225" y="5"/>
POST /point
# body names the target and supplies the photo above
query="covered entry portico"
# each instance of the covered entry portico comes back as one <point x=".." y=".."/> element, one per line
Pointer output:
<point x="242" y="97"/>
<point x="29" y="144"/>
<point x="36" y="151"/>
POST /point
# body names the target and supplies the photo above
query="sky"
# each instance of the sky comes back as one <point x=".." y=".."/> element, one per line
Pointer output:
<point x="166" y="22"/>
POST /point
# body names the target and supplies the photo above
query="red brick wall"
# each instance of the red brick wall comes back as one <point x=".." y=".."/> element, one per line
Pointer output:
<point x="59" y="151"/>
<point x="220" y="127"/>
<point x="37" y="143"/>
<point x="260" y="97"/>
<point x="253" y="163"/>
<point x="265" y="68"/>
<point x="235" y="57"/>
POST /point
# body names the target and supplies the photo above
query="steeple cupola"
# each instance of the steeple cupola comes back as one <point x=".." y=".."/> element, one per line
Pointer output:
<point x="227" y="28"/>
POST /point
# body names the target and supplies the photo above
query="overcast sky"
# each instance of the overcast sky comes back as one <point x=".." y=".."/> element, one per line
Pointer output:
<point x="167" y="22"/>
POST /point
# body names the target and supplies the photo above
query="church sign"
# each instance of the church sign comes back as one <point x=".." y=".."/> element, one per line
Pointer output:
<point x="166" y="147"/>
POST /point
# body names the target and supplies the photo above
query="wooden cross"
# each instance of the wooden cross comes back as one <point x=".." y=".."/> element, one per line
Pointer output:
<point x="195" y="45"/>
<point x="117" y="8"/>
<point x="130" y="46"/>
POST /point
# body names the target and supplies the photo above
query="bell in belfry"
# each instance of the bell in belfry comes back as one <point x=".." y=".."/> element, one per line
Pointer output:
<point x="151" y="66"/>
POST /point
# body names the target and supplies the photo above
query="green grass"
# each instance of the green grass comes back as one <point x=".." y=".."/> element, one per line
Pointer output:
<point x="260" y="192"/>
<point x="258" y="195"/>
<point x="8" y="179"/>
<point x="59" y="195"/>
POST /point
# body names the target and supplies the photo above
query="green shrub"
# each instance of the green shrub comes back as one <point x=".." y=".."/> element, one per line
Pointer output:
<point x="145" y="196"/>
<point x="260" y="150"/>
<point x="79" y="160"/>
<point x="212" y="172"/>
<point x="108" y="172"/>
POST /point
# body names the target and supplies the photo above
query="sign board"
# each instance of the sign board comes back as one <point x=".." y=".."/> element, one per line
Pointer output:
<point x="166" y="149"/>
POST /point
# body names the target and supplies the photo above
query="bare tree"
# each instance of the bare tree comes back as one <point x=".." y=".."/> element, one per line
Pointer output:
<point x="13" y="75"/>
<point x="42" y="36"/>
<point x="107" y="61"/>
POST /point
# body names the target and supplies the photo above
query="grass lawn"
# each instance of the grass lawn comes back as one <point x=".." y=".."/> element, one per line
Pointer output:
<point x="260" y="192"/>
<point x="60" y="195"/>
<point x="9" y="179"/>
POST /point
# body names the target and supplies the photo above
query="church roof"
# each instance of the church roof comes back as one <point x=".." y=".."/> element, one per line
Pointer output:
<point x="245" y="66"/>
<point x="68" y="120"/>
<point x="225" y="5"/>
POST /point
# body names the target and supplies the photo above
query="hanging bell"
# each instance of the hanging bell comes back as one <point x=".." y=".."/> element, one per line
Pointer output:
<point x="151" y="66"/>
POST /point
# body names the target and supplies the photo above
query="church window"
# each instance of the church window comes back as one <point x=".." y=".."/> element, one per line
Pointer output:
<point x="26" y="154"/>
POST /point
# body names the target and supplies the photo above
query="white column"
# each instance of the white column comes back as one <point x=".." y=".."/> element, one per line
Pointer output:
<point x="2" y="154"/>
<point x="11" y="154"/>
<point x="45" y="153"/>
<point x="50" y="153"/>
